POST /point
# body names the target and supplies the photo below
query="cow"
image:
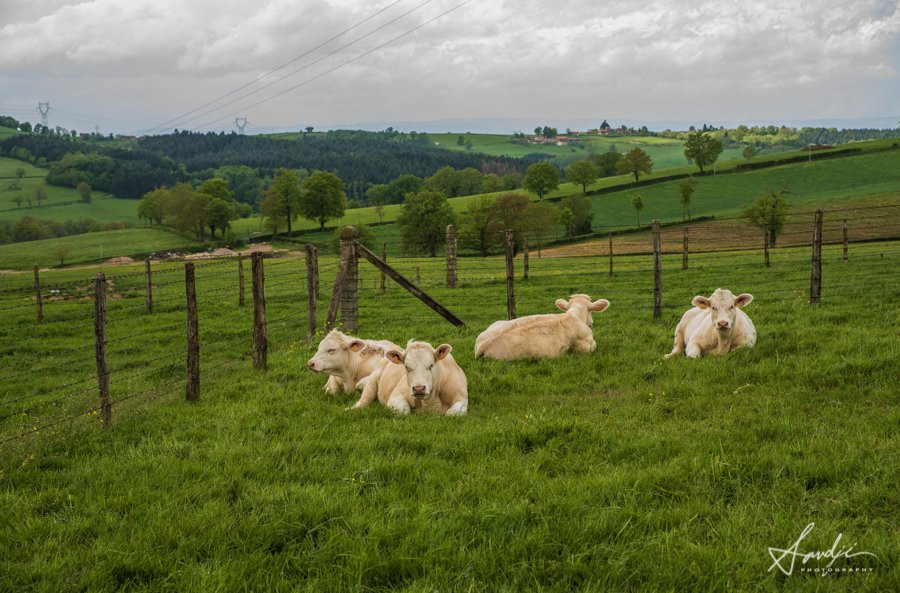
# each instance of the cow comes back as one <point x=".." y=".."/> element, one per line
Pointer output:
<point x="543" y="336"/>
<point x="419" y="377"/>
<point x="348" y="360"/>
<point x="715" y="325"/>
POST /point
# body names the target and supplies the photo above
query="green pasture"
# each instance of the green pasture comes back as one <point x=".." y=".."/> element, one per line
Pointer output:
<point x="91" y="247"/>
<point x="613" y="471"/>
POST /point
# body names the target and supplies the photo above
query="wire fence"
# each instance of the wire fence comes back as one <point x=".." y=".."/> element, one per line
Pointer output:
<point x="51" y="379"/>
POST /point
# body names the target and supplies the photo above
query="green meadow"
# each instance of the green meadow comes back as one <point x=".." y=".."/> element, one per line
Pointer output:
<point x="614" y="471"/>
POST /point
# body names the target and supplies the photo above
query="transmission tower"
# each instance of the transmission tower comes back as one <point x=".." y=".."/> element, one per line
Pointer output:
<point x="241" y="123"/>
<point x="44" y="108"/>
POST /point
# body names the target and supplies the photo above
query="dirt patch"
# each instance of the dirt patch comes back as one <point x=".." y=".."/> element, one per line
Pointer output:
<point x="119" y="261"/>
<point x="10" y="272"/>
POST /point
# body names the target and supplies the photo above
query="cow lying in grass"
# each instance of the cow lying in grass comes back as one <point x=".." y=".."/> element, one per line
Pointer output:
<point x="419" y="377"/>
<point x="543" y="336"/>
<point x="348" y="360"/>
<point x="714" y="326"/>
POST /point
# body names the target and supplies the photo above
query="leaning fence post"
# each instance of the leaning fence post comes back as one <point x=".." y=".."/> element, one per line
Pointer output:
<point x="37" y="295"/>
<point x="684" y="250"/>
<point x="510" y="277"/>
<point x="766" y="247"/>
<point x="192" y="390"/>
<point x="100" y="347"/>
<point x="524" y="257"/>
<point x="149" y="280"/>
<point x="815" y="279"/>
<point x="312" y="280"/>
<point x="384" y="259"/>
<point x="610" y="256"/>
<point x="260" y="339"/>
<point x="241" y="279"/>
<point x="451" y="256"/>
<point x="657" y="272"/>
<point x="845" y="240"/>
<point x="350" y="289"/>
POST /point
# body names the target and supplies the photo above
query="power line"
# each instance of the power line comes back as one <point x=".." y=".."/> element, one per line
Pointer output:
<point x="313" y="63"/>
<point x="339" y="66"/>
<point x="272" y="71"/>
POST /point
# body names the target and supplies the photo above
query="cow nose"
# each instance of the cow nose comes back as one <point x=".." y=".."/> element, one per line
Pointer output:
<point x="418" y="388"/>
<point x="723" y="324"/>
<point x="311" y="364"/>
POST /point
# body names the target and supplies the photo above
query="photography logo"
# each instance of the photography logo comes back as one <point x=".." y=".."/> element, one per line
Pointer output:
<point x="811" y="562"/>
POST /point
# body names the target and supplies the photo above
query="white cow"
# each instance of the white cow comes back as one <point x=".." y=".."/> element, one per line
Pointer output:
<point x="348" y="360"/>
<point x="714" y="326"/>
<point x="419" y="377"/>
<point x="543" y="336"/>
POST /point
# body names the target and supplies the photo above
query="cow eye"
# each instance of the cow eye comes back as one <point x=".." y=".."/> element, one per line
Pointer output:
<point x="431" y="367"/>
<point x="331" y="351"/>
<point x="732" y="306"/>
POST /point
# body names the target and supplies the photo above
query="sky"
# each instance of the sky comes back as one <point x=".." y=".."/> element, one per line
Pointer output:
<point x="148" y="66"/>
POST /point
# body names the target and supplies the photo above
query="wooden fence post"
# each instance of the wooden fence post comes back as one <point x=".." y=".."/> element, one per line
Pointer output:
<point x="845" y="240"/>
<point x="192" y="390"/>
<point x="525" y="257"/>
<point x="149" y="280"/>
<point x="384" y="259"/>
<point x="610" y="256"/>
<point x="510" y="276"/>
<point x="657" y="271"/>
<point x="37" y="295"/>
<point x="260" y="338"/>
<point x="815" y="279"/>
<point x="312" y="280"/>
<point x="350" y="290"/>
<point x="418" y="275"/>
<point x="100" y="347"/>
<point x="240" y="279"/>
<point x="684" y="250"/>
<point x="451" y="256"/>
<point x="766" y="247"/>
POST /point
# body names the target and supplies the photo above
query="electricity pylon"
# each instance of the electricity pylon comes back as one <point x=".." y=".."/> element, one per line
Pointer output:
<point x="241" y="123"/>
<point x="44" y="108"/>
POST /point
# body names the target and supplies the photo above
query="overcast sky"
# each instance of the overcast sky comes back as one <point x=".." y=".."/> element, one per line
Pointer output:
<point x="131" y="65"/>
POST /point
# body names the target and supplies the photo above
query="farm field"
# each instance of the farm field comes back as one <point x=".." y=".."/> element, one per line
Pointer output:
<point x="91" y="247"/>
<point x="62" y="203"/>
<point x="611" y="471"/>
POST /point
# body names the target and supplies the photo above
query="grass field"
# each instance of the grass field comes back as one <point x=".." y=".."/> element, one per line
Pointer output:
<point x="91" y="247"/>
<point x="62" y="203"/>
<point x="615" y="471"/>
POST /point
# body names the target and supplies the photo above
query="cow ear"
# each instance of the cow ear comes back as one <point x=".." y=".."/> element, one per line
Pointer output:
<point x="395" y="356"/>
<point x="743" y="299"/>
<point x="562" y="304"/>
<point x="600" y="305"/>
<point x="700" y="301"/>
<point x="442" y="351"/>
<point x="356" y="345"/>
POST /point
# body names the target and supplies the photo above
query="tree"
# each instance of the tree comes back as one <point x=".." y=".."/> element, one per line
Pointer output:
<point x="479" y="227"/>
<point x="702" y="149"/>
<point x="491" y="183"/>
<point x="85" y="190"/>
<point x="20" y="173"/>
<point x="18" y="199"/>
<point x="607" y="162"/>
<point x="322" y="198"/>
<point x="686" y="188"/>
<point x="637" y="202"/>
<point x="635" y="162"/>
<point x="583" y="173"/>
<point x="541" y="178"/>
<point x="40" y="194"/>
<point x="402" y="185"/>
<point x="540" y="218"/>
<point x="423" y="221"/>
<point x="62" y="253"/>
<point x="283" y="198"/>
<point x="749" y="152"/>
<point x="768" y="212"/>
<point x="219" y="214"/>
<point x="152" y="206"/>
<point x="377" y="195"/>
<point x="580" y="206"/>
<point x="510" y="212"/>
<point x="444" y="180"/>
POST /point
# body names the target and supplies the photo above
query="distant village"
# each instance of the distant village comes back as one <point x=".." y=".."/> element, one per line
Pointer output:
<point x="550" y="136"/>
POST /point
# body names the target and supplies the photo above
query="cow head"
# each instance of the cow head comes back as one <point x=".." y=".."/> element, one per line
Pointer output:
<point x="723" y="306"/>
<point x="581" y="307"/>
<point x="420" y="360"/>
<point x="333" y="355"/>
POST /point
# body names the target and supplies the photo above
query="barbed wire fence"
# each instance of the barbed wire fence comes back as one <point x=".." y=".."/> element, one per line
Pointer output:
<point x="83" y="355"/>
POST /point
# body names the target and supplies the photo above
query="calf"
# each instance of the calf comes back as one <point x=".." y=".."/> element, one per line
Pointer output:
<point x="714" y="326"/>
<point x="419" y="377"/>
<point x="543" y="336"/>
<point x="348" y="360"/>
